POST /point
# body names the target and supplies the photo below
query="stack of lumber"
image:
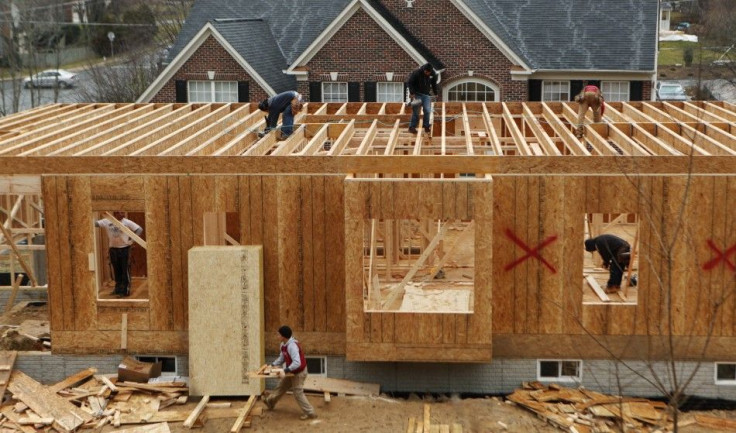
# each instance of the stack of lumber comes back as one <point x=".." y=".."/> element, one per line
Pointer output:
<point x="584" y="411"/>
<point x="324" y="385"/>
<point x="425" y="425"/>
<point x="88" y="400"/>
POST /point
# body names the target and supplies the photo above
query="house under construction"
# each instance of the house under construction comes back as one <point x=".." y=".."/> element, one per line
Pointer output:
<point x="452" y="261"/>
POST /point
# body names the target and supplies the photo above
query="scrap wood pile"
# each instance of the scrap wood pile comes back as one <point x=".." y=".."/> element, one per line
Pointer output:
<point x="584" y="411"/>
<point x="425" y="425"/>
<point x="87" y="400"/>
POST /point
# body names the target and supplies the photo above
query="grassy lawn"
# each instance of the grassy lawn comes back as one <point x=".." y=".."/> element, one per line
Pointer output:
<point x="671" y="53"/>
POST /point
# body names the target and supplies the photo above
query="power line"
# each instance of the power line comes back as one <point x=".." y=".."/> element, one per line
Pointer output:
<point x="66" y="23"/>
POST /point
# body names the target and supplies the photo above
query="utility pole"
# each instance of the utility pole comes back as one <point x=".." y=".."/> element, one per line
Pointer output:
<point x="111" y="36"/>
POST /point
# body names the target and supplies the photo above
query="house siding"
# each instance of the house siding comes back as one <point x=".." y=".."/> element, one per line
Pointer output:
<point x="210" y="56"/>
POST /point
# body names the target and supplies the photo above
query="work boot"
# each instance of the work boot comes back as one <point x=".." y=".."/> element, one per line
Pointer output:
<point x="412" y="130"/>
<point x="308" y="416"/>
<point x="269" y="404"/>
<point x="612" y="289"/>
<point x="427" y="129"/>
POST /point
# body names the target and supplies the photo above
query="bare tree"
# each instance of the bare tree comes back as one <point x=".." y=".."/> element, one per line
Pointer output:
<point x="124" y="81"/>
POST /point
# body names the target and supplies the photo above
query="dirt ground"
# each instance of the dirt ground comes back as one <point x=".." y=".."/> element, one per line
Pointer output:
<point x="388" y="415"/>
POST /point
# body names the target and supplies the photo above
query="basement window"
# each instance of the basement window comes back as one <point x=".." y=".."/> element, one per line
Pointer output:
<point x="559" y="370"/>
<point x="725" y="373"/>
<point x="595" y="278"/>
<point x="168" y="363"/>
<point x="317" y="365"/>
<point x="418" y="266"/>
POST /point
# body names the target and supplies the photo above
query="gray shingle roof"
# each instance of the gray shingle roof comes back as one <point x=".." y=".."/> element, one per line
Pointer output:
<point x="255" y="43"/>
<point x="549" y="35"/>
<point x="576" y="34"/>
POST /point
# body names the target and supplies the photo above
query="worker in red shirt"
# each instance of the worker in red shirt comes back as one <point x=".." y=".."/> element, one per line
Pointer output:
<point x="590" y="97"/>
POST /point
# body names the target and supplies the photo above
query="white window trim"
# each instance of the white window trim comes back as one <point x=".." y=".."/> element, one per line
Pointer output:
<point x="347" y="90"/>
<point x="718" y="381"/>
<point x="559" y="378"/>
<point x="324" y="363"/>
<point x="544" y="83"/>
<point x="393" y="83"/>
<point x="496" y="89"/>
<point x="627" y="85"/>
<point x="213" y="92"/>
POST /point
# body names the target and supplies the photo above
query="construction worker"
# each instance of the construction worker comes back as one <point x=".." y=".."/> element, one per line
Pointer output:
<point x="119" y="251"/>
<point x="292" y="357"/>
<point x="288" y="104"/>
<point x="590" y="97"/>
<point x="615" y="253"/>
<point x="419" y="83"/>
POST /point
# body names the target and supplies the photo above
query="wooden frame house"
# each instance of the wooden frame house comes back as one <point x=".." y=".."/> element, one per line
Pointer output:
<point x="352" y="212"/>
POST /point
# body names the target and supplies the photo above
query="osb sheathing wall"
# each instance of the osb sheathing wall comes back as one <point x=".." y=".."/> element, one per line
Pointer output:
<point x="535" y="312"/>
<point x="303" y="289"/>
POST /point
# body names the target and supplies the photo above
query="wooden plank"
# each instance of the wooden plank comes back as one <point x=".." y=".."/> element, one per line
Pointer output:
<point x="340" y="386"/>
<point x="189" y="422"/>
<point x="243" y="414"/>
<point x="355" y="201"/>
<point x="158" y="236"/>
<point x="593" y="284"/>
<point x="290" y="264"/>
<point x="124" y="331"/>
<point x="67" y="417"/>
<point x="7" y="359"/>
<point x="81" y="244"/>
<point x="73" y="380"/>
<point x="161" y="427"/>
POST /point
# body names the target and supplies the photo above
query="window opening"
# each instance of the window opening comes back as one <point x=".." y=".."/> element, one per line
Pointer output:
<point x="213" y="91"/>
<point x="615" y="91"/>
<point x="725" y="373"/>
<point x="419" y="265"/>
<point x="555" y="91"/>
<point x="317" y="365"/>
<point x="120" y="260"/>
<point x="610" y="258"/>
<point x="334" y="91"/>
<point x="559" y="370"/>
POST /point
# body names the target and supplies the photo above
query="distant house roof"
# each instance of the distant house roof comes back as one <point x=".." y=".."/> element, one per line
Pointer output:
<point x="539" y="35"/>
<point x="609" y="35"/>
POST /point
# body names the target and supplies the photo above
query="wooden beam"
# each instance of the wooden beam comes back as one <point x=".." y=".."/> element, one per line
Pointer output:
<point x="243" y="414"/>
<point x="189" y="422"/>
<point x="571" y="142"/>
<point x="367" y="142"/>
<point x="342" y="141"/>
<point x="20" y="258"/>
<point x="296" y="139"/>
<point x="392" y="138"/>
<point x="468" y="133"/>
<point x="137" y="239"/>
<point x="20" y="184"/>
<point x="209" y="133"/>
<point x="458" y="241"/>
<point x="398" y="290"/>
<point x="539" y="132"/>
<point x="516" y="134"/>
<point x="597" y="288"/>
<point x="491" y="131"/>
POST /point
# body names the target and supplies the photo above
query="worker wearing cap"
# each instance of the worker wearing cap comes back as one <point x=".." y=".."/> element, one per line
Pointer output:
<point x="590" y="97"/>
<point x="292" y="358"/>
<point x="287" y="104"/>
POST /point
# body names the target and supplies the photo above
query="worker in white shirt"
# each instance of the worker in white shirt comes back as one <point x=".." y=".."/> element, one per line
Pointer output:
<point x="119" y="251"/>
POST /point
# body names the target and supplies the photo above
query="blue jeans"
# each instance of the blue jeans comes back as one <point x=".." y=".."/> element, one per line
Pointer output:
<point x="426" y="106"/>
<point x="287" y="127"/>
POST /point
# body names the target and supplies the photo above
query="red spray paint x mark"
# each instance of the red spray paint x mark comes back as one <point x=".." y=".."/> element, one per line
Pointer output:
<point x="721" y="256"/>
<point x="530" y="252"/>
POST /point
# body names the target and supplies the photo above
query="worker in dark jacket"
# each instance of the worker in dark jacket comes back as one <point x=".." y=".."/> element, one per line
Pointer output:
<point x="419" y="83"/>
<point x="287" y="104"/>
<point x="615" y="253"/>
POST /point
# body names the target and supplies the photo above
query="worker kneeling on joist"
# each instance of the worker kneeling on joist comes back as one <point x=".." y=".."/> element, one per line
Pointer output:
<point x="590" y="97"/>
<point x="615" y="253"/>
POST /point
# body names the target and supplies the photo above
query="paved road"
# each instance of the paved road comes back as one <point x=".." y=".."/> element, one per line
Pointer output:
<point x="30" y="98"/>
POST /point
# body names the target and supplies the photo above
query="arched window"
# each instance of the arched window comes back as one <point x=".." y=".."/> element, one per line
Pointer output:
<point x="471" y="90"/>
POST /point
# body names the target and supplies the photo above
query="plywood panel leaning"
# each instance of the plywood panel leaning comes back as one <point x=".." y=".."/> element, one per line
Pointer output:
<point x="226" y="319"/>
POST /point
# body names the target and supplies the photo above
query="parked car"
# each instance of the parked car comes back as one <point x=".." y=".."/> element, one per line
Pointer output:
<point x="51" y="78"/>
<point x="682" y="26"/>
<point x="670" y="92"/>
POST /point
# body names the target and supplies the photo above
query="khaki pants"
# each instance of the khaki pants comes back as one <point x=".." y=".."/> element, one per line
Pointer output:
<point x="590" y="100"/>
<point x="296" y="385"/>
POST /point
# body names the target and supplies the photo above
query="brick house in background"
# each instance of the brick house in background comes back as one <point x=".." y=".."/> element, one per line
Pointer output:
<point x="363" y="50"/>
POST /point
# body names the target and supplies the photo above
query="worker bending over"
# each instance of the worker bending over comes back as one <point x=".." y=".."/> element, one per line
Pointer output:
<point x="590" y="97"/>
